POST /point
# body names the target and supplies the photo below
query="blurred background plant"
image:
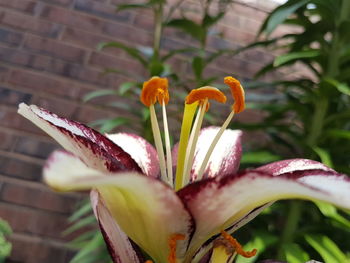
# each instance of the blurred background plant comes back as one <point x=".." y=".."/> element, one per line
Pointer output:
<point x="5" y="245"/>
<point x="311" y="121"/>
<point x="310" y="118"/>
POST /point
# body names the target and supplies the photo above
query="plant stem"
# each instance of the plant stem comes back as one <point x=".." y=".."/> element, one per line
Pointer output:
<point x="290" y="227"/>
<point x="158" y="27"/>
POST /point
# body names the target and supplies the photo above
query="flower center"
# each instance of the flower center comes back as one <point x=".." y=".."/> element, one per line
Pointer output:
<point x="156" y="89"/>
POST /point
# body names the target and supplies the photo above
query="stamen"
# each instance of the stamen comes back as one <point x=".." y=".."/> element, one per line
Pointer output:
<point x="155" y="89"/>
<point x="203" y="93"/>
<point x="148" y="261"/>
<point x="237" y="246"/>
<point x="172" y="245"/>
<point x="158" y="142"/>
<point x="237" y="92"/>
<point x="169" y="161"/>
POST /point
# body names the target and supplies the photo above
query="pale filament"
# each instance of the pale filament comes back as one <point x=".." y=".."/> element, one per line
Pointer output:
<point x="167" y="147"/>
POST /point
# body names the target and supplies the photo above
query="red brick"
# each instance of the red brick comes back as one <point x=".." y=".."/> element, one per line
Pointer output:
<point x="13" y="97"/>
<point x="72" y="18"/>
<point x="102" y="10"/>
<point x="37" y="250"/>
<point x="20" y="5"/>
<point x="129" y="33"/>
<point x="59" y="107"/>
<point x="105" y="61"/>
<point x="55" y="49"/>
<point x="10" y="37"/>
<point x="33" y="147"/>
<point x="33" y="221"/>
<point x="7" y="141"/>
<point x="31" y="24"/>
<point x="83" y="39"/>
<point x="14" y="56"/>
<point x="38" y="197"/>
<point x="36" y="82"/>
<point x="59" y="2"/>
<point x="20" y="169"/>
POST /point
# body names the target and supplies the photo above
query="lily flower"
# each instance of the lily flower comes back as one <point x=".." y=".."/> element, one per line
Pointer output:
<point x="177" y="205"/>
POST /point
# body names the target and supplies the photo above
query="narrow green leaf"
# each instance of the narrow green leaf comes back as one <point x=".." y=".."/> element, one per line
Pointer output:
<point x="188" y="26"/>
<point x="260" y="241"/>
<point x="82" y="211"/>
<point x="208" y="20"/>
<point x="132" y="6"/>
<point x="340" y="86"/>
<point x="294" y="253"/>
<point x="133" y="52"/>
<point x="98" y="93"/>
<point x="332" y="212"/>
<point x="289" y="57"/>
<point x="259" y="157"/>
<point x="337" y="133"/>
<point x="324" y="156"/>
<point x="328" y="250"/>
<point x="198" y="66"/>
<point x="280" y="14"/>
<point x="80" y="224"/>
<point x="125" y="87"/>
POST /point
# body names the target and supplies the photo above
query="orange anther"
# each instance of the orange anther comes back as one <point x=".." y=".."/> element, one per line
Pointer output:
<point x="148" y="261"/>
<point x="155" y="89"/>
<point x="237" y="246"/>
<point x="203" y="93"/>
<point x="237" y="92"/>
<point x="172" y="245"/>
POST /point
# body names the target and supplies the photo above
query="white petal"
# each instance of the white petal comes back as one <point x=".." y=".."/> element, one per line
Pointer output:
<point x="226" y="156"/>
<point x="147" y="210"/>
<point x="118" y="243"/>
<point x="92" y="147"/>
<point x="140" y="150"/>
<point x="217" y="204"/>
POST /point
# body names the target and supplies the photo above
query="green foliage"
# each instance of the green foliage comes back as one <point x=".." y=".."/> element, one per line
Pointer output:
<point x="5" y="246"/>
<point x="311" y="120"/>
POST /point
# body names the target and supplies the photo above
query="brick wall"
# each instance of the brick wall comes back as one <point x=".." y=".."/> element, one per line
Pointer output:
<point x="48" y="57"/>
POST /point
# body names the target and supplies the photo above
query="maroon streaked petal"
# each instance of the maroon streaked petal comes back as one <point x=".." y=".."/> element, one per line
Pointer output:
<point x="292" y="165"/>
<point x="218" y="203"/>
<point x="121" y="249"/>
<point x="140" y="150"/>
<point x="226" y="156"/>
<point x="146" y="209"/>
<point x="92" y="147"/>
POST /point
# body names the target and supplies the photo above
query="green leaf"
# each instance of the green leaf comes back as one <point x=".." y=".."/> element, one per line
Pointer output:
<point x="259" y="157"/>
<point x="106" y="125"/>
<point x="5" y="228"/>
<point x="98" y="93"/>
<point x="133" y="52"/>
<point x="156" y="68"/>
<point x="125" y="87"/>
<point x="88" y="253"/>
<point x="211" y="20"/>
<point x="324" y="156"/>
<point x="294" y="253"/>
<point x="82" y="211"/>
<point x="188" y="26"/>
<point x="80" y="224"/>
<point x="340" y="86"/>
<point x="331" y="211"/>
<point x="328" y="250"/>
<point x="132" y="6"/>
<point x="280" y="14"/>
<point x="337" y="133"/>
<point x="290" y="57"/>
<point x="198" y="66"/>
<point x="260" y="241"/>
